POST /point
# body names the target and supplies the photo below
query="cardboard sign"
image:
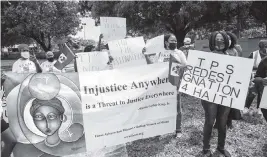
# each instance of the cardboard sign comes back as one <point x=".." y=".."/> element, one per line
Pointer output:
<point x="217" y="78"/>
<point x="92" y="61"/>
<point x="113" y="28"/>
<point x="127" y="52"/>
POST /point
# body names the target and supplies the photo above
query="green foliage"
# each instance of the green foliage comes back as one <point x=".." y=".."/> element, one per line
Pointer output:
<point x="39" y="20"/>
<point x="177" y="17"/>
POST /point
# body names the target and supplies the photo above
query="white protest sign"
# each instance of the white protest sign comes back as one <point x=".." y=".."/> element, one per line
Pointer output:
<point x="216" y="78"/>
<point x="155" y="45"/>
<point x="92" y="61"/>
<point x="133" y="103"/>
<point x="4" y="105"/>
<point x="113" y="28"/>
<point x="263" y="103"/>
<point x="127" y="52"/>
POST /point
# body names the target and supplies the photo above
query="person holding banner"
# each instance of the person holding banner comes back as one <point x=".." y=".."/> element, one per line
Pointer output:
<point x="187" y="46"/>
<point x="233" y="50"/>
<point x="260" y="81"/>
<point x="48" y="66"/>
<point x="218" y="43"/>
<point x="170" y="45"/>
<point x="253" y="89"/>
<point x="27" y="63"/>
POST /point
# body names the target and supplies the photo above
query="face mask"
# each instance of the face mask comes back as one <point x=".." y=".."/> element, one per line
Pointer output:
<point x="172" y="46"/>
<point x="50" y="59"/>
<point x="25" y="54"/>
<point x="219" y="45"/>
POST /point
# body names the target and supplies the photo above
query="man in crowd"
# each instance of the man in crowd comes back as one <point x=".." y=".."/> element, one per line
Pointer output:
<point x="27" y="63"/>
<point x="260" y="81"/>
<point x="257" y="56"/>
<point x="187" y="46"/>
<point x="48" y="66"/>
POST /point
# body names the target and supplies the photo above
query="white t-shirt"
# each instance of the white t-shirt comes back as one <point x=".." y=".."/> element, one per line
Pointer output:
<point x="49" y="67"/>
<point x="177" y="54"/>
<point x="24" y="66"/>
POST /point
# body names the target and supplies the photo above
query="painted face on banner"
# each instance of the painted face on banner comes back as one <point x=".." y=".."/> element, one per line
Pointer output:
<point x="219" y="42"/>
<point x="47" y="119"/>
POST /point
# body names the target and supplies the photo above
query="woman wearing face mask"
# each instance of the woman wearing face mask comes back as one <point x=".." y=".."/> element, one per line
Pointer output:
<point x="27" y="63"/>
<point x="170" y="45"/>
<point x="233" y="50"/>
<point x="218" y="43"/>
<point x="48" y="66"/>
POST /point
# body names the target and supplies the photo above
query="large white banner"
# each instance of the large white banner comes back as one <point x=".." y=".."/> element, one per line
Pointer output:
<point x="127" y="52"/>
<point x="133" y="103"/>
<point x="263" y="103"/>
<point x="216" y="78"/>
<point x="92" y="61"/>
<point x="113" y="28"/>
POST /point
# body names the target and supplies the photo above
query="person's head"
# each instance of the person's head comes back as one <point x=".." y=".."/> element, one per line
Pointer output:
<point x="47" y="115"/>
<point x="263" y="44"/>
<point x="187" y="42"/>
<point x="219" y="41"/>
<point x="232" y="40"/>
<point x="170" y="42"/>
<point x="50" y="56"/>
<point x="89" y="48"/>
<point x="24" y="51"/>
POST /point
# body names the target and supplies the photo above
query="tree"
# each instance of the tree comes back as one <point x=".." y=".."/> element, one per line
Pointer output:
<point x="39" y="20"/>
<point x="259" y="11"/>
<point x="177" y="17"/>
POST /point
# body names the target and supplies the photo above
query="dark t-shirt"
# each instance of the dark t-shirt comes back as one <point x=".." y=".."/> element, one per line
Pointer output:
<point x="262" y="68"/>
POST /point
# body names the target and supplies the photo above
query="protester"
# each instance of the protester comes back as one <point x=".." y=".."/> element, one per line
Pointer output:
<point x="187" y="46"/>
<point x="218" y="43"/>
<point x="253" y="89"/>
<point x="48" y="66"/>
<point x="170" y="44"/>
<point x="233" y="50"/>
<point x="260" y="81"/>
<point x="27" y="63"/>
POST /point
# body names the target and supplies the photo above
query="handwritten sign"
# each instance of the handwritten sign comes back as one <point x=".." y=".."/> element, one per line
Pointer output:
<point x="113" y="28"/>
<point x="92" y="61"/>
<point x="217" y="78"/>
<point x="127" y="52"/>
<point x="155" y="45"/>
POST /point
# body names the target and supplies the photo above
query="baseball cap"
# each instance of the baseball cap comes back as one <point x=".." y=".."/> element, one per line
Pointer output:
<point x="24" y="47"/>
<point x="187" y="41"/>
<point x="49" y="54"/>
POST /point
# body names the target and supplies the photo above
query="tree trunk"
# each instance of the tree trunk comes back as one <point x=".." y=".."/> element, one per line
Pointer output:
<point x="180" y="35"/>
<point x="44" y="47"/>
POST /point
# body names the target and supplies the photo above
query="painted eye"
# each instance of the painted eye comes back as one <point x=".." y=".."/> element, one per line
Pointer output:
<point x="38" y="117"/>
<point x="51" y="116"/>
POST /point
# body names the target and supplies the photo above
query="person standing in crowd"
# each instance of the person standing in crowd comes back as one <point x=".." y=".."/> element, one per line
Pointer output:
<point x="48" y="65"/>
<point x="233" y="50"/>
<point x="253" y="89"/>
<point x="170" y="44"/>
<point x="187" y="46"/>
<point x="260" y="81"/>
<point x="27" y="63"/>
<point x="218" y="43"/>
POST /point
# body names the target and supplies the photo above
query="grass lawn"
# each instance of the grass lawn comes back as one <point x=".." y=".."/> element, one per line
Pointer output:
<point x="248" y="138"/>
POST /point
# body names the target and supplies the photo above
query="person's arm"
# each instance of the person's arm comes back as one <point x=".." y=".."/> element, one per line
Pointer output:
<point x="36" y="63"/>
<point x="147" y="57"/>
<point x="260" y="73"/>
<point x="99" y="43"/>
